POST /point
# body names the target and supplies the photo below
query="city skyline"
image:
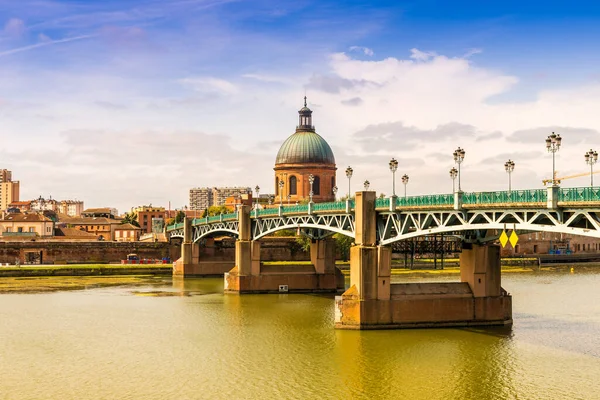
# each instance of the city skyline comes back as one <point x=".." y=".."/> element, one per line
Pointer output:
<point x="134" y="102"/>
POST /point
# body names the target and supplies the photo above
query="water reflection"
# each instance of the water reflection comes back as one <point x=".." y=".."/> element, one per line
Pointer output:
<point x="107" y="343"/>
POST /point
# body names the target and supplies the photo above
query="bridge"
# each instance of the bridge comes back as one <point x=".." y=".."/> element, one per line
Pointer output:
<point x="372" y="301"/>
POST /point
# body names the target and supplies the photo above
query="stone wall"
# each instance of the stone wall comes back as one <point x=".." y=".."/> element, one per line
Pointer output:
<point x="540" y="243"/>
<point x="63" y="252"/>
<point x="83" y="252"/>
<point x="272" y="249"/>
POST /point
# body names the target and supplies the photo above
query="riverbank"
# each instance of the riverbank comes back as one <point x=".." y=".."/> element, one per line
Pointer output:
<point x="85" y="270"/>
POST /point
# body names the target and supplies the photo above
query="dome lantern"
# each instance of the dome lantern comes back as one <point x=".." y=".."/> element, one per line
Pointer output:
<point x="305" y="118"/>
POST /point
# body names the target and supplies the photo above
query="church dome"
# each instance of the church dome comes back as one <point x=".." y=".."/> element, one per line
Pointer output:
<point x="305" y="146"/>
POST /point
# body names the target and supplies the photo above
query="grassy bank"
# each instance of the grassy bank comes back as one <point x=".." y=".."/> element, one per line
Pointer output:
<point x="85" y="270"/>
<point x="43" y="284"/>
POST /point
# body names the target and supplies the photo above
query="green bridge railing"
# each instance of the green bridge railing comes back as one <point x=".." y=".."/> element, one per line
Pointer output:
<point x="579" y="194"/>
<point x="566" y="195"/>
<point x="515" y="196"/>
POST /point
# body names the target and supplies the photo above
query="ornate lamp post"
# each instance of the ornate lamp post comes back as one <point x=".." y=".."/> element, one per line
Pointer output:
<point x="591" y="158"/>
<point x="257" y="189"/>
<point x="281" y="183"/>
<point x="393" y="167"/>
<point x="552" y="145"/>
<point x="349" y="172"/>
<point x="459" y="156"/>
<point x="509" y="166"/>
<point x="405" y="182"/>
<point x="367" y="184"/>
<point x="334" y="190"/>
<point x="311" y="180"/>
<point x="453" y="174"/>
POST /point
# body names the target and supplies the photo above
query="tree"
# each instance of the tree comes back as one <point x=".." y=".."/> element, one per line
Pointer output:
<point x="216" y="210"/>
<point x="343" y="244"/>
<point x="130" y="218"/>
<point x="179" y="217"/>
<point x="304" y="242"/>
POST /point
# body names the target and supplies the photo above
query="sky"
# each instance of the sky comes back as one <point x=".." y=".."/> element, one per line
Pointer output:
<point x="121" y="103"/>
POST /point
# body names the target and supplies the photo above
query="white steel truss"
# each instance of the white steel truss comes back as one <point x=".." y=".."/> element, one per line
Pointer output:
<point x="336" y="223"/>
<point x="395" y="226"/>
<point x="226" y="227"/>
<point x="472" y="225"/>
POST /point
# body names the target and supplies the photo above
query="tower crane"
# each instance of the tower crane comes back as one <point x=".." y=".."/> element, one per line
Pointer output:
<point x="557" y="180"/>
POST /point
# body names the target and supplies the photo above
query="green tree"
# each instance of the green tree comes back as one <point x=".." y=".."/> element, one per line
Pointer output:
<point x="303" y="242"/>
<point x="343" y="244"/>
<point x="216" y="210"/>
<point x="179" y="217"/>
<point x="130" y="218"/>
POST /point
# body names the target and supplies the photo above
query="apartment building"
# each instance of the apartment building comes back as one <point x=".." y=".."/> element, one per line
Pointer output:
<point x="202" y="198"/>
<point x="9" y="189"/>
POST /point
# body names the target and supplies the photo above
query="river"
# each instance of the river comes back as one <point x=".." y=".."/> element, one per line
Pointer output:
<point x="163" y="339"/>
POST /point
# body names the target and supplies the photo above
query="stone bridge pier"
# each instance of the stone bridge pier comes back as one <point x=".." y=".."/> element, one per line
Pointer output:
<point x="250" y="276"/>
<point x="373" y="302"/>
<point x="198" y="260"/>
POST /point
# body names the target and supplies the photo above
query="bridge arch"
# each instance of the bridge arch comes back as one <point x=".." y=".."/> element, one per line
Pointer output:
<point x="402" y="226"/>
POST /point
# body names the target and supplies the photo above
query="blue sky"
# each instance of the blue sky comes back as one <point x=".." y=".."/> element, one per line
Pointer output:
<point x="182" y="93"/>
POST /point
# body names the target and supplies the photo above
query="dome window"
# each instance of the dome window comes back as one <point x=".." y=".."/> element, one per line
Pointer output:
<point x="293" y="184"/>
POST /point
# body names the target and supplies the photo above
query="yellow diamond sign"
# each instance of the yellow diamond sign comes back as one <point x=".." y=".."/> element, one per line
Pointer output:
<point x="514" y="238"/>
<point x="503" y="239"/>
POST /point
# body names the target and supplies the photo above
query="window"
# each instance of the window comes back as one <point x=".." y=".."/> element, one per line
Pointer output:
<point x="317" y="186"/>
<point x="8" y="229"/>
<point x="293" y="184"/>
<point x="332" y="183"/>
<point x="20" y="229"/>
<point x="535" y="248"/>
<point x="31" y="229"/>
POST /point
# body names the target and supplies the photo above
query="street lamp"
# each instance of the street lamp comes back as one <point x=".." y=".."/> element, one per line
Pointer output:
<point x="311" y="180"/>
<point x="393" y="167"/>
<point x="453" y="174"/>
<point x="257" y="189"/>
<point x="367" y="184"/>
<point x="281" y="192"/>
<point x="509" y="166"/>
<point x="405" y="182"/>
<point x="459" y="156"/>
<point x="591" y="157"/>
<point x="552" y="145"/>
<point x="334" y="190"/>
<point x="349" y="176"/>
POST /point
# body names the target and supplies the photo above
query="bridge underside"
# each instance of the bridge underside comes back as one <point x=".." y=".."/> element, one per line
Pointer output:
<point x="250" y="276"/>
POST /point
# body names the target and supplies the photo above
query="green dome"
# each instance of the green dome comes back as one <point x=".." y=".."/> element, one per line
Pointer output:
<point x="305" y="146"/>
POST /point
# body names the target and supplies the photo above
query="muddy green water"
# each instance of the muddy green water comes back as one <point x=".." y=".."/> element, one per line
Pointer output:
<point x="193" y="342"/>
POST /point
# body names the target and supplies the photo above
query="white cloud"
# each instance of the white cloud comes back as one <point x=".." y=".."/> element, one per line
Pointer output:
<point x="419" y="55"/>
<point x="44" y="42"/>
<point x="210" y="84"/>
<point x="14" y="27"/>
<point x="225" y="129"/>
<point x="365" y="50"/>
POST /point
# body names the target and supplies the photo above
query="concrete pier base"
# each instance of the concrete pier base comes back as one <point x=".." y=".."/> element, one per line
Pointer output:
<point x="201" y="269"/>
<point x="423" y="305"/>
<point x="290" y="279"/>
<point x="190" y="263"/>
<point x="373" y="302"/>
